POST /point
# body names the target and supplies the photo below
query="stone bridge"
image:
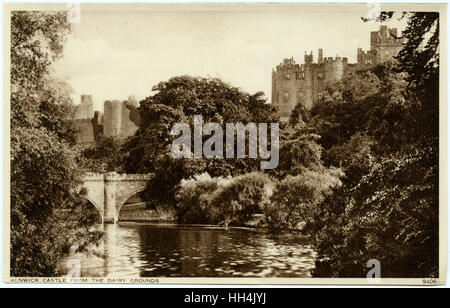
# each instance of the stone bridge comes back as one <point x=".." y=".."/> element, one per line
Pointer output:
<point x="109" y="191"/>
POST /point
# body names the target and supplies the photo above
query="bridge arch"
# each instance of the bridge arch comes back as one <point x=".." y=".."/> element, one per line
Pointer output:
<point x="123" y="198"/>
<point x="98" y="206"/>
<point x="108" y="192"/>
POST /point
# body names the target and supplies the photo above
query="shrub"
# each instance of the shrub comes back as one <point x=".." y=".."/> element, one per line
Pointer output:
<point x="218" y="200"/>
<point x="242" y="197"/>
<point x="296" y="198"/>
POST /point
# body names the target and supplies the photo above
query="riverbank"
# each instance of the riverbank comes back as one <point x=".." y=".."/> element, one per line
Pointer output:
<point x="139" y="214"/>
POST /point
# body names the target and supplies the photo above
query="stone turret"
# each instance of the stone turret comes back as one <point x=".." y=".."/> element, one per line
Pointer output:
<point x="86" y="108"/>
<point x="117" y="118"/>
<point x="304" y="84"/>
<point x="320" y="57"/>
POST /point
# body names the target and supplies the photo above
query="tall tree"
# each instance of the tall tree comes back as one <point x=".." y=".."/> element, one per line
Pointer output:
<point x="388" y="208"/>
<point x="48" y="217"/>
<point x="178" y="100"/>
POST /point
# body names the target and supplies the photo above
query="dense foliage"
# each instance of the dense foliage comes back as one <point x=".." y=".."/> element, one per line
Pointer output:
<point x="178" y="100"/>
<point x="48" y="215"/>
<point x="358" y="173"/>
<point x="219" y="200"/>
<point x="381" y="127"/>
<point x="105" y="156"/>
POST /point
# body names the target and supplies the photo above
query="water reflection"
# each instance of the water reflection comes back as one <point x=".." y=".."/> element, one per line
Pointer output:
<point x="136" y="250"/>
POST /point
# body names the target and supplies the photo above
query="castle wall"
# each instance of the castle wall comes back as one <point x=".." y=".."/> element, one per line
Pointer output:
<point x="117" y="121"/>
<point x="128" y="127"/>
<point x="366" y="58"/>
<point x="334" y="69"/>
<point x="386" y="53"/>
<point x="120" y="119"/>
<point x="113" y="118"/>
<point x="97" y="123"/>
<point x="274" y="87"/>
<point x="85" y="131"/>
<point x="86" y="108"/>
<point x="293" y="84"/>
<point x="308" y="86"/>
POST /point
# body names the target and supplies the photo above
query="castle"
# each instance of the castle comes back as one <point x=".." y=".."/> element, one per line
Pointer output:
<point x="294" y="84"/>
<point x="120" y="120"/>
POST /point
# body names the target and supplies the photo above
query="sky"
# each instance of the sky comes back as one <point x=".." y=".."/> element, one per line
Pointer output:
<point x="114" y="54"/>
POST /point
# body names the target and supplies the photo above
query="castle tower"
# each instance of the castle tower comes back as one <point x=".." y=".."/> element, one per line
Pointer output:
<point x="320" y="58"/>
<point x="293" y="84"/>
<point x="86" y="108"/>
<point x="274" y="86"/>
<point x="308" y="84"/>
<point x="112" y="118"/>
<point x="309" y="58"/>
<point x="384" y="44"/>
<point x="334" y="69"/>
<point x="117" y="121"/>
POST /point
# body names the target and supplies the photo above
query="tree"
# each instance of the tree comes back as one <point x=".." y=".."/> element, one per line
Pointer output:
<point x="299" y="151"/>
<point x="177" y="101"/>
<point x="390" y="216"/>
<point x="388" y="207"/>
<point x="193" y="198"/>
<point x="219" y="200"/>
<point x="297" y="198"/>
<point x="105" y="156"/>
<point x="48" y="216"/>
<point x="239" y="199"/>
<point x="299" y="116"/>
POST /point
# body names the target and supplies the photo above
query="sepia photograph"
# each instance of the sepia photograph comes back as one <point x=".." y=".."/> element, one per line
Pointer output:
<point x="231" y="143"/>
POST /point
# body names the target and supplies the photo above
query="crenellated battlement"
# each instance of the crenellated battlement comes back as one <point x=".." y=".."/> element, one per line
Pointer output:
<point x="385" y="37"/>
<point x="335" y="60"/>
<point x="117" y="176"/>
<point x="294" y="84"/>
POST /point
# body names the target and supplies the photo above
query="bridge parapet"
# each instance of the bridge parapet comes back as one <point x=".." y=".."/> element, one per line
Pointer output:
<point x="117" y="176"/>
<point x="91" y="176"/>
<point x="109" y="191"/>
<point x="112" y="176"/>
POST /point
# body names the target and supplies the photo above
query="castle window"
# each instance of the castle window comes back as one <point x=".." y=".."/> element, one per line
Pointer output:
<point x="286" y="96"/>
<point x="287" y="76"/>
<point x="319" y="75"/>
<point x="300" y="95"/>
<point x="300" y="75"/>
<point x="320" y="94"/>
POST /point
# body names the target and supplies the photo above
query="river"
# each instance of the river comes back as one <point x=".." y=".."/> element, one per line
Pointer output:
<point x="132" y="250"/>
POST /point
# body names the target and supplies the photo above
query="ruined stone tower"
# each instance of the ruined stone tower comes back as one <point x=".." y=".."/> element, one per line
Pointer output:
<point x="120" y="119"/>
<point x="86" y="108"/>
<point x="294" y="84"/>
<point x="83" y="121"/>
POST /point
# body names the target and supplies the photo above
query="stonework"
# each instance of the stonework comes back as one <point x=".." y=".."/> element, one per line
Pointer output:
<point x="85" y="110"/>
<point x="85" y="132"/>
<point x="120" y="119"/>
<point x="108" y="192"/>
<point x="117" y="121"/>
<point x="294" y="84"/>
